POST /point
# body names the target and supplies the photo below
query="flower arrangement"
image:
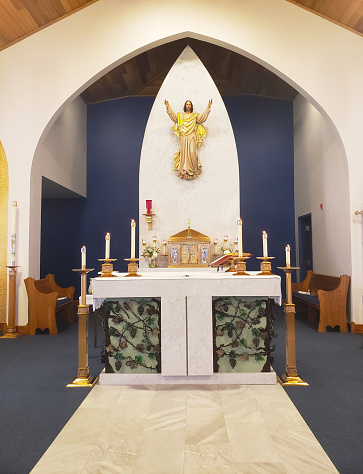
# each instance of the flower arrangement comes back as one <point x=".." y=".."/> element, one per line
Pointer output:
<point x="151" y="252"/>
<point x="224" y="249"/>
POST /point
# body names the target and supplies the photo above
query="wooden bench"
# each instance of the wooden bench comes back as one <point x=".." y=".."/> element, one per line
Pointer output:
<point x="327" y="295"/>
<point x="47" y="300"/>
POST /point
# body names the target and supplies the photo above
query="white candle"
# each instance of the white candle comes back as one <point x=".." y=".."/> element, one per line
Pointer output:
<point x="107" y="249"/>
<point x="133" y="229"/>
<point x="287" y="250"/>
<point x="83" y="254"/>
<point x="13" y="228"/>
<point x="215" y="246"/>
<point x="264" y="244"/>
<point x="240" y="246"/>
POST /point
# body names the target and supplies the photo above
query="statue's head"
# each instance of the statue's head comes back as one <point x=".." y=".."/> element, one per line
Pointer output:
<point x="188" y="106"/>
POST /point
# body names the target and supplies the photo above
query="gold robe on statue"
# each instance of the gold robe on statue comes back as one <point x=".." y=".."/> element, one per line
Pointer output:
<point x="191" y="133"/>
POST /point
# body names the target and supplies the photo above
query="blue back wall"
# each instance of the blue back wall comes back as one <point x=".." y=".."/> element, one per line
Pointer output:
<point x="263" y="131"/>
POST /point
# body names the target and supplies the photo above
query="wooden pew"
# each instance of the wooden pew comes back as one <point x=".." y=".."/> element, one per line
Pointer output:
<point x="328" y="296"/>
<point x="44" y="304"/>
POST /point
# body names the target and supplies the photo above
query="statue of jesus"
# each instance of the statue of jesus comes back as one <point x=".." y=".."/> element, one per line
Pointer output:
<point x="188" y="127"/>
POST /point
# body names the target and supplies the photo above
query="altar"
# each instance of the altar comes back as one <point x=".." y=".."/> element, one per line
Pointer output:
<point x="187" y="326"/>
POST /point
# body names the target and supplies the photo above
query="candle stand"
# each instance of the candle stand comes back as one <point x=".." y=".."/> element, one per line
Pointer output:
<point x="11" y="326"/>
<point x="240" y="265"/>
<point x="107" y="267"/>
<point x="83" y="379"/>
<point x="265" y="265"/>
<point x="132" y="267"/>
<point x="291" y="376"/>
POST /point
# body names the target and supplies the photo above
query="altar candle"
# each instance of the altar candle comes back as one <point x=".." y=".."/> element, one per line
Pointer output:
<point x="14" y="206"/>
<point x="240" y="246"/>
<point x="215" y="246"/>
<point x="154" y="240"/>
<point x="107" y="250"/>
<point x="83" y="253"/>
<point x="133" y="228"/>
<point x="148" y="206"/>
<point x="143" y="243"/>
<point x="287" y="250"/>
<point x="264" y="242"/>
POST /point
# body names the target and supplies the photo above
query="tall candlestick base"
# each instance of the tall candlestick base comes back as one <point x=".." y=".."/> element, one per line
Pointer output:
<point x="265" y="265"/>
<point x="149" y="220"/>
<point x="291" y="376"/>
<point x="240" y="265"/>
<point x="107" y="267"/>
<point x="132" y="267"/>
<point x="11" y="326"/>
<point x="83" y="379"/>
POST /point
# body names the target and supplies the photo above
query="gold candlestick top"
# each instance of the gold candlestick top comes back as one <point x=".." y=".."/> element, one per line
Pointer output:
<point x="133" y="223"/>
<point x="14" y="203"/>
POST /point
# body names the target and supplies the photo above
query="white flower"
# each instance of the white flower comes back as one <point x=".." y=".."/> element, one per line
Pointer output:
<point x="155" y="254"/>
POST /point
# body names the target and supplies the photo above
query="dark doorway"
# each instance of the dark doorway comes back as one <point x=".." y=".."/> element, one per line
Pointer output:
<point x="305" y="245"/>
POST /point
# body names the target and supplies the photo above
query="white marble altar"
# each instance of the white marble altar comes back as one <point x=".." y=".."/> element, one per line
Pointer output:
<point x="186" y="319"/>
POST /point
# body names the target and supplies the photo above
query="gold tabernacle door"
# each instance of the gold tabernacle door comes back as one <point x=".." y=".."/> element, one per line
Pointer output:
<point x="188" y="248"/>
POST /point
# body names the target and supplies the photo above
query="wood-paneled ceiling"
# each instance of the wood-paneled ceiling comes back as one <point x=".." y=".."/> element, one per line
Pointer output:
<point x="232" y="73"/>
<point x="144" y="74"/>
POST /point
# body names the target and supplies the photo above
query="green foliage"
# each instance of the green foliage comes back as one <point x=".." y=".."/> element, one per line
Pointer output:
<point x="127" y="327"/>
<point x="232" y="355"/>
<point x="243" y="342"/>
<point x="255" y="332"/>
<point x="152" y="356"/>
<point x="114" y="332"/>
<point x="229" y="326"/>
<point x="119" y="356"/>
<point x="259" y="357"/>
<point x="220" y="317"/>
<point x="243" y="314"/>
<point x="150" y="321"/>
<point x="138" y="359"/>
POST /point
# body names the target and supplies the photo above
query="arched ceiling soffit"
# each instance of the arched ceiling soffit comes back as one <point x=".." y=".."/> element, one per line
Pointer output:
<point x="233" y="73"/>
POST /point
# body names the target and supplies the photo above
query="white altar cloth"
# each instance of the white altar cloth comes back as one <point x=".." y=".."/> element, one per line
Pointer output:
<point x="186" y="318"/>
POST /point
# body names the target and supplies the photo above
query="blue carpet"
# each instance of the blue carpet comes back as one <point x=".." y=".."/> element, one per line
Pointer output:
<point x="332" y="404"/>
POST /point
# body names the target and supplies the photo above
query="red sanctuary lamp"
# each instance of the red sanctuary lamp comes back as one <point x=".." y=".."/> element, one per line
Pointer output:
<point x="148" y="206"/>
<point x="149" y="214"/>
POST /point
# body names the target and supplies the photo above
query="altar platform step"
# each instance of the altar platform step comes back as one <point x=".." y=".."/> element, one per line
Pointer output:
<point x="247" y="378"/>
<point x="186" y="429"/>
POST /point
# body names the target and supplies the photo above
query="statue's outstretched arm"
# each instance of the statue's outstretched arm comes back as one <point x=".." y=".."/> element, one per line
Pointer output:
<point x="203" y="117"/>
<point x="173" y="116"/>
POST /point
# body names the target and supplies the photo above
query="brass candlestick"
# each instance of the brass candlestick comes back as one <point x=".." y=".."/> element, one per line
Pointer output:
<point x="132" y="267"/>
<point x="107" y="267"/>
<point x="11" y="326"/>
<point x="265" y="265"/>
<point x="291" y="376"/>
<point x="240" y="264"/>
<point x="83" y="379"/>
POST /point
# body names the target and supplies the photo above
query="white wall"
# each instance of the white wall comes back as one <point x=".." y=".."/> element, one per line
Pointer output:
<point x="321" y="177"/>
<point x="63" y="155"/>
<point x="204" y="200"/>
<point x="40" y="74"/>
